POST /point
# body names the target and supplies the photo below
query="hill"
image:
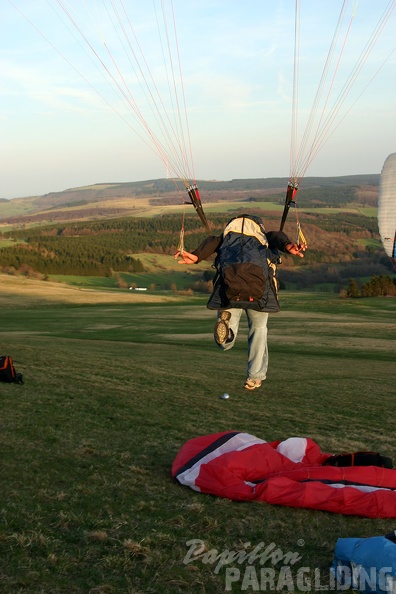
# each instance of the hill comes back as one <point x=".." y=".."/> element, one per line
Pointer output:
<point x="156" y="197"/>
<point x="101" y="232"/>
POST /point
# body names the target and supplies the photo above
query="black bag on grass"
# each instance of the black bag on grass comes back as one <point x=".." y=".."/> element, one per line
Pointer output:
<point x="8" y="372"/>
<point x="359" y="459"/>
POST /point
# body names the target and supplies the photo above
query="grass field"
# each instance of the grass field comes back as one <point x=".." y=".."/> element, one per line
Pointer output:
<point x="113" y="389"/>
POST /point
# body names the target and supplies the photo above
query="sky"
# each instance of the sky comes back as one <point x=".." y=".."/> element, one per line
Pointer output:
<point x="76" y="94"/>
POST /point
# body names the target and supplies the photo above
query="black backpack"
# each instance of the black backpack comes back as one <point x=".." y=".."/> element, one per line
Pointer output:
<point x="359" y="459"/>
<point x="247" y="266"/>
<point x="8" y="372"/>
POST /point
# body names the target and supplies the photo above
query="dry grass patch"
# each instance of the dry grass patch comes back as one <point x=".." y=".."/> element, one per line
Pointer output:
<point x="19" y="291"/>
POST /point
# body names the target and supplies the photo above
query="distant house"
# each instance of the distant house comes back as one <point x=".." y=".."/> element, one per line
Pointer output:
<point x="138" y="288"/>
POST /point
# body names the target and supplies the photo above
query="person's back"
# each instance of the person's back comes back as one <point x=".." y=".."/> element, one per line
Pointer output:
<point x="246" y="268"/>
<point x="246" y="258"/>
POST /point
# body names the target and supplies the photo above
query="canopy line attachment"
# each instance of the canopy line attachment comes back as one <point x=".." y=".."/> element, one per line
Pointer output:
<point x="300" y="239"/>
<point x="180" y="246"/>
<point x="195" y="199"/>
<point x="290" y="199"/>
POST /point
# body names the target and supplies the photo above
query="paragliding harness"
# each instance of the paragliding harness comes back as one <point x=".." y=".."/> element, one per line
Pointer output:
<point x="8" y="372"/>
<point x="359" y="459"/>
<point x="246" y="267"/>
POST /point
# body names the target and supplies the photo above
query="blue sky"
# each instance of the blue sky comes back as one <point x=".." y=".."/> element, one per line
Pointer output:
<point x="57" y="132"/>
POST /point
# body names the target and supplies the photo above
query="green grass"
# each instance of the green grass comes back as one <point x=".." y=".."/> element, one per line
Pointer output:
<point x="373" y="243"/>
<point x="181" y="279"/>
<point x="369" y="211"/>
<point x="111" y="394"/>
<point x="6" y="242"/>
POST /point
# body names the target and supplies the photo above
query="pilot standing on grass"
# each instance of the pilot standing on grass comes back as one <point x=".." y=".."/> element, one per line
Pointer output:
<point x="265" y="255"/>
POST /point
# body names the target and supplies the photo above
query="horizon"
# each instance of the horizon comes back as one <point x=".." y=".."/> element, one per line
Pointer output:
<point x="116" y="183"/>
<point x="60" y="119"/>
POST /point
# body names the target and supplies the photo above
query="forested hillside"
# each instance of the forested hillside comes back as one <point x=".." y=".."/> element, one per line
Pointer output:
<point x="139" y="198"/>
<point x="340" y="246"/>
<point x="338" y="216"/>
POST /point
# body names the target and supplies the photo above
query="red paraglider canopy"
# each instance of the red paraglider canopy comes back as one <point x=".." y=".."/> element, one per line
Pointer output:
<point x="292" y="472"/>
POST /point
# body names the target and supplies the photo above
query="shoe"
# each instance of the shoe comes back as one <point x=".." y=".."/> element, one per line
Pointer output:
<point x="222" y="330"/>
<point x="252" y="384"/>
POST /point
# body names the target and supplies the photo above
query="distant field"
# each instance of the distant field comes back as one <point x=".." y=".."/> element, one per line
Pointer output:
<point x="368" y="211"/>
<point x="15" y="208"/>
<point x="224" y="206"/>
<point x="375" y="243"/>
<point x="115" y="386"/>
<point x="6" y="243"/>
<point x="112" y="203"/>
<point x="27" y="292"/>
<point x="162" y="271"/>
<point x="153" y="281"/>
<point x="145" y="206"/>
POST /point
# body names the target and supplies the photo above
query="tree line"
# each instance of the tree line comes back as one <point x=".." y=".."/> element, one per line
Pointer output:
<point x="98" y="248"/>
<point x="377" y="286"/>
<point x="95" y="248"/>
